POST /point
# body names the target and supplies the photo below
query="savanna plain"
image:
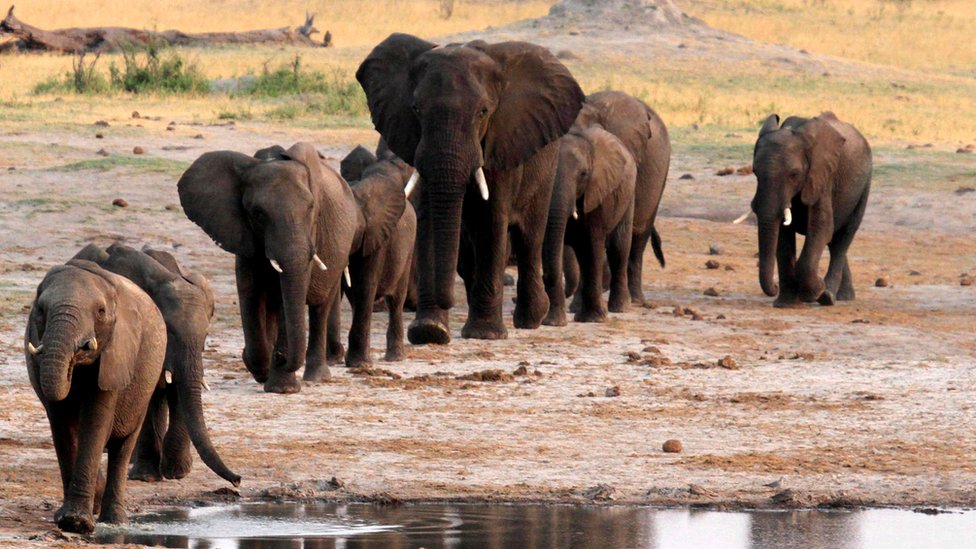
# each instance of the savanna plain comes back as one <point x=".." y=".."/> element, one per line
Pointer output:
<point x="866" y="403"/>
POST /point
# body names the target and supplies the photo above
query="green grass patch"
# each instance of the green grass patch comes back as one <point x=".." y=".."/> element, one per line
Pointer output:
<point x="140" y="164"/>
<point x="330" y="93"/>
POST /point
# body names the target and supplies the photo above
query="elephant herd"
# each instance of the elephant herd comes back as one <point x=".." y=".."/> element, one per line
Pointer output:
<point x="487" y="151"/>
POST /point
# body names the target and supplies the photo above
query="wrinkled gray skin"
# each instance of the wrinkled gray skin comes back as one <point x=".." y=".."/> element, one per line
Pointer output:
<point x="820" y="168"/>
<point x="596" y="179"/>
<point x="379" y="265"/>
<point x="646" y="137"/>
<point x="175" y="416"/>
<point x="450" y="111"/>
<point x="99" y="348"/>
<point x="286" y="206"/>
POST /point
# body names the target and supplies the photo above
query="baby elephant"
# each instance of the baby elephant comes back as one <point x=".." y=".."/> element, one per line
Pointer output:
<point x="95" y="345"/>
<point x="382" y="254"/>
<point x="175" y="416"/>
<point x="814" y="176"/>
<point x="592" y="211"/>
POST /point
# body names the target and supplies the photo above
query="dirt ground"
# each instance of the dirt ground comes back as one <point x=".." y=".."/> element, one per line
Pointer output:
<point x="869" y="402"/>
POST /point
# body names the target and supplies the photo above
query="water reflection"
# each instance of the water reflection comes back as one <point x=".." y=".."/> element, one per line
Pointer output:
<point x="337" y="526"/>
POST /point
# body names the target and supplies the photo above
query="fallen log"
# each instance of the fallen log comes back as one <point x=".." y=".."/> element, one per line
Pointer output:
<point x="108" y="39"/>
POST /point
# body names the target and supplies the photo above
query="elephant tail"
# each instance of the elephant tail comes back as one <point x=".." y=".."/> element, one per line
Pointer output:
<point x="656" y="244"/>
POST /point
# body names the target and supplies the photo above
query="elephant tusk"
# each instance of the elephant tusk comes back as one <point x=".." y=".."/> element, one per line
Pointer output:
<point x="412" y="183"/>
<point x="91" y="345"/>
<point x="479" y="177"/>
<point x="575" y="212"/>
<point x="34" y="350"/>
<point x="787" y="217"/>
<point x="168" y="376"/>
<point x="320" y="263"/>
<point x="203" y="382"/>
<point x="275" y="266"/>
<point x="742" y="218"/>
<point x="345" y="273"/>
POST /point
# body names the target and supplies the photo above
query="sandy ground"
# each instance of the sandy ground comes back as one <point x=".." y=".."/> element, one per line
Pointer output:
<point x="865" y="403"/>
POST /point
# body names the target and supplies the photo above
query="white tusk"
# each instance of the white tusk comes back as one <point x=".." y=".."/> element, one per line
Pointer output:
<point x="320" y="263"/>
<point x="412" y="183"/>
<point x="204" y="383"/>
<point x="479" y="177"/>
<point x="168" y="376"/>
<point x="275" y="266"/>
<point x="345" y="273"/>
<point x="787" y="217"/>
<point x="575" y="213"/>
<point x="34" y="350"/>
<point x="742" y="218"/>
<point x="94" y="344"/>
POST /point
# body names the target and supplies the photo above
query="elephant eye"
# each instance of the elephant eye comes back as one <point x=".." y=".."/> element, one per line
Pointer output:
<point x="484" y="112"/>
<point x="415" y="109"/>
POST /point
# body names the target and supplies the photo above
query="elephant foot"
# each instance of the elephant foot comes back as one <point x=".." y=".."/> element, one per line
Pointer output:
<point x="282" y="383"/>
<point x="379" y="306"/>
<point x="637" y="298"/>
<point x="575" y="305"/>
<point x="555" y="318"/>
<point x="787" y="302"/>
<point x="528" y="316"/>
<point x="593" y="315"/>
<point x="425" y="331"/>
<point x="316" y="372"/>
<point x="78" y="522"/>
<point x="619" y="303"/>
<point x="114" y="514"/>
<point x="335" y="353"/>
<point x="394" y="355"/>
<point x="845" y="294"/>
<point x="484" y="329"/>
<point x="826" y="299"/>
<point x="177" y="468"/>
<point x="145" y="471"/>
<point x="356" y="360"/>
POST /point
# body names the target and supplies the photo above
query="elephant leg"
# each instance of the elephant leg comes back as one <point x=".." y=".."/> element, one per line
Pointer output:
<point x="820" y="231"/>
<point x="786" y="266"/>
<point x="258" y="316"/>
<point x="466" y="264"/>
<point x="95" y="424"/>
<point x="410" y="303"/>
<point x="335" y="352"/>
<point x="366" y="273"/>
<point x="148" y="454"/>
<point x="532" y="301"/>
<point x="635" y="266"/>
<point x="554" y="279"/>
<point x="571" y="270"/>
<point x="838" y="279"/>
<point x="113" y="501"/>
<point x="591" y="251"/>
<point x="64" y="432"/>
<point x="177" y="459"/>
<point x="394" y="332"/>
<point x="281" y="379"/>
<point x="316" y="360"/>
<point x="432" y="323"/>
<point x="846" y="290"/>
<point x="489" y="232"/>
<point x="618" y="254"/>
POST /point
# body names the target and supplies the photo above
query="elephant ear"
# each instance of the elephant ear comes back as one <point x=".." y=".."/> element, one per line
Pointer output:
<point x="626" y="117"/>
<point x="613" y="171"/>
<point x="824" y="146"/>
<point x="210" y="192"/>
<point x="93" y="253"/>
<point x="385" y="77"/>
<point x="381" y="199"/>
<point x="770" y="125"/>
<point x="308" y="156"/>
<point x="165" y="259"/>
<point x="355" y="163"/>
<point x="537" y="105"/>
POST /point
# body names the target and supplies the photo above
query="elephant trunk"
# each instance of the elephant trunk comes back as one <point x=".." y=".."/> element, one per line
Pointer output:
<point x="294" y="290"/>
<point x="554" y="241"/>
<point x="56" y="359"/>
<point x="445" y="199"/>
<point x="191" y="403"/>
<point x="768" y="242"/>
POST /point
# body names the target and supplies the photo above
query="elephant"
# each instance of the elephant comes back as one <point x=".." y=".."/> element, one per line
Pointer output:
<point x="646" y="137"/>
<point x="592" y="211"/>
<point x="483" y="118"/>
<point x="355" y="163"/>
<point x="187" y="305"/>
<point x="290" y="220"/>
<point x="813" y="178"/>
<point x="381" y="258"/>
<point x="94" y="347"/>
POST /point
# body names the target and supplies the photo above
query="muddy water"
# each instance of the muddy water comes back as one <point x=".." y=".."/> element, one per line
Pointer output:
<point x="335" y="526"/>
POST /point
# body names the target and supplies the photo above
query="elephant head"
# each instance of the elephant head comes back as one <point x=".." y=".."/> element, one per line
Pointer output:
<point x="458" y="111"/>
<point x="83" y="317"/>
<point x="797" y="160"/>
<point x="598" y="166"/>
<point x="352" y="166"/>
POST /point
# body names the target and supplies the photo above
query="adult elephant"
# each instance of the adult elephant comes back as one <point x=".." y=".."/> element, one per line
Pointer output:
<point x="813" y="178"/>
<point x="482" y="118"/>
<point x="290" y="219"/>
<point x="646" y="137"/>
<point x="175" y="416"/>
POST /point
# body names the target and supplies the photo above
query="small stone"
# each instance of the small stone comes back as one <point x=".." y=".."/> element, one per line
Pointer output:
<point x="744" y="170"/>
<point x="101" y="124"/>
<point x="672" y="446"/>
<point x="964" y="190"/>
<point x="138" y="150"/>
<point x="135" y="114"/>
<point x="966" y="281"/>
<point x="914" y="273"/>
<point x="715" y="249"/>
<point x="678" y="311"/>
<point x="728" y="363"/>
<point x="711" y="292"/>
<point x="729" y="268"/>
<point x="521" y="371"/>
<point x="198" y="136"/>
<point x="172" y="207"/>
<point x="968" y="149"/>
<point x="729" y="170"/>
<point x="695" y="315"/>
<point x="170" y="128"/>
<point x="712" y="264"/>
<point x="720" y="317"/>
<point x="102" y="152"/>
<point x="881" y="283"/>
<point x="99" y="135"/>
<point x="686" y="176"/>
<point x="120" y="202"/>
<point x="613" y="391"/>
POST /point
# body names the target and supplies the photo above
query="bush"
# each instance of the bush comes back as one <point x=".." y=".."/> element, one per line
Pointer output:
<point x="333" y="93"/>
<point x="146" y="70"/>
<point x="83" y="78"/>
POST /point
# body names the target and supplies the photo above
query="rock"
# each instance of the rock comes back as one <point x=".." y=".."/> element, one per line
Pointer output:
<point x="695" y="315"/>
<point x="672" y="446"/>
<point x="101" y="124"/>
<point x="711" y="292"/>
<point x="678" y="311"/>
<point x="687" y="176"/>
<point x="632" y="357"/>
<point x="600" y="492"/>
<point x="965" y="190"/>
<point x="566" y="55"/>
<point x="170" y="128"/>
<point x="720" y="317"/>
<point x="725" y="171"/>
<point x="914" y="273"/>
<point x="487" y="375"/>
<point x="135" y="114"/>
<point x="99" y="135"/>
<point x="744" y="170"/>
<point x="715" y="249"/>
<point x="700" y="491"/>
<point x="728" y="363"/>
<point x="613" y="391"/>
<point x="138" y="150"/>
<point x="102" y="152"/>
<point x="881" y="283"/>
<point x="729" y="268"/>
<point x="120" y="203"/>
<point x="711" y="264"/>
<point x="966" y="281"/>
<point x="172" y="207"/>
<point x="968" y="149"/>
<point x="198" y="136"/>
<point x="521" y="371"/>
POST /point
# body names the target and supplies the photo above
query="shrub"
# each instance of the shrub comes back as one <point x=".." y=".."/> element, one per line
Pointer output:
<point x="147" y="70"/>
<point x="83" y="78"/>
<point x="332" y="93"/>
